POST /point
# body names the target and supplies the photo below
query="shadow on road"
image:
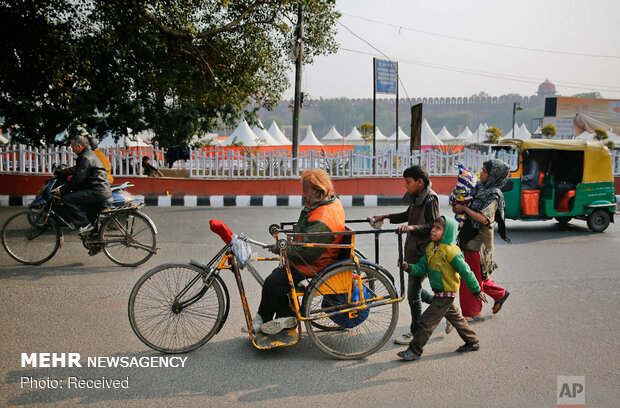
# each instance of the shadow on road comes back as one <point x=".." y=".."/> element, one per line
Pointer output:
<point x="33" y="273"/>
<point x="525" y="232"/>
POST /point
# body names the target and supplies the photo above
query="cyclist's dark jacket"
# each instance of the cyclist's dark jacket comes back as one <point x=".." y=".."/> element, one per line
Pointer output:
<point x="89" y="174"/>
<point x="324" y="216"/>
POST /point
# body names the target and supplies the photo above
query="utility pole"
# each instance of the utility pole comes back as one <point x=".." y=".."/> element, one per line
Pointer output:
<point x="299" y="42"/>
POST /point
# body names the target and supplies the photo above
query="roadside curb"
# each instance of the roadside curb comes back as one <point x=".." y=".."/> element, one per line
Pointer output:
<point x="219" y="201"/>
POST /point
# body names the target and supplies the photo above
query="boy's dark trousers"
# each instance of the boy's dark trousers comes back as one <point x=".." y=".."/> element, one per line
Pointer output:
<point x="440" y="307"/>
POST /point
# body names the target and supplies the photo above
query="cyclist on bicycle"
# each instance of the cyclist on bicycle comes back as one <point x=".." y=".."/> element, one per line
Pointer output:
<point x="89" y="184"/>
<point x="323" y="212"/>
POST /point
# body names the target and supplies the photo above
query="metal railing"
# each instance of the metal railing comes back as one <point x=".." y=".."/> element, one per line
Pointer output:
<point x="252" y="163"/>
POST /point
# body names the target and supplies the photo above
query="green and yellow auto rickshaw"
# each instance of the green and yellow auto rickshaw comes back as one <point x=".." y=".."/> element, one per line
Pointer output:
<point x="561" y="179"/>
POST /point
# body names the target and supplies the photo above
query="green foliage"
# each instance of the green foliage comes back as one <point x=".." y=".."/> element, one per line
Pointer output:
<point x="493" y="134"/>
<point x="600" y="134"/>
<point x="366" y="130"/>
<point x="180" y="68"/>
<point x="610" y="145"/>
<point x="548" y="130"/>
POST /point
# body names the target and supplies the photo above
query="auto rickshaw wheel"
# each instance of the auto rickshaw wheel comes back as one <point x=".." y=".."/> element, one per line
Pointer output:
<point x="563" y="220"/>
<point x="598" y="221"/>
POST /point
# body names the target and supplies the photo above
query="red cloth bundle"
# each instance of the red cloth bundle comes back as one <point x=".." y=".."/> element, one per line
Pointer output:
<point x="222" y="230"/>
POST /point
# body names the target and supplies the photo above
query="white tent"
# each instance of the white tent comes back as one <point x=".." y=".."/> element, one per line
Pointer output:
<point x="515" y="131"/>
<point x="480" y="135"/>
<point x="428" y="136"/>
<point x="333" y="137"/>
<point x="524" y="133"/>
<point x="242" y="134"/>
<point x="380" y="137"/>
<point x="277" y="134"/>
<point x="585" y="135"/>
<point x="401" y="136"/>
<point x="354" y="137"/>
<point x="310" y="139"/>
<point x="466" y="135"/>
<point x="123" y="141"/>
<point x="444" y="135"/>
<point x="261" y="133"/>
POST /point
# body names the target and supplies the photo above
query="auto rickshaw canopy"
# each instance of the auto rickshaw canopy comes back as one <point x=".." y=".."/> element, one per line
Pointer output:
<point x="596" y="161"/>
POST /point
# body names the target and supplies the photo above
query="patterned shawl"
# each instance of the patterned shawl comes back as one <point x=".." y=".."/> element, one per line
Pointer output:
<point x="491" y="190"/>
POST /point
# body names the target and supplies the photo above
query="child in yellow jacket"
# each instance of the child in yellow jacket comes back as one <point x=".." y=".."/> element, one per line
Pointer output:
<point x="444" y="264"/>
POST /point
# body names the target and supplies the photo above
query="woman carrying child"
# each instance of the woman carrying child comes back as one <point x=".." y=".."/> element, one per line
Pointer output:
<point x="476" y="236"/>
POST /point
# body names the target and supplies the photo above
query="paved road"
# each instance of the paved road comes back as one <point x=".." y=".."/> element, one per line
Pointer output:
<point x="561" y="319"/>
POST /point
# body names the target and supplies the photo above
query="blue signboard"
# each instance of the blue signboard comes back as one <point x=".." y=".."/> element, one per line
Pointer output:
<point x="386" y="76"/>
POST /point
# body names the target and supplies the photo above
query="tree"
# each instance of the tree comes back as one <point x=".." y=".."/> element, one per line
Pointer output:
<point x="366" y="130"/>
<point x="493" y="134"/>
<point x="548" y="131"/>
<point x="179" y="67"/>
<point x="600" y="135"/>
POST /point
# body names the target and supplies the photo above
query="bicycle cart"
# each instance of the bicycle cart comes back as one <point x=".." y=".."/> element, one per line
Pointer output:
<point x="349" y="309"/>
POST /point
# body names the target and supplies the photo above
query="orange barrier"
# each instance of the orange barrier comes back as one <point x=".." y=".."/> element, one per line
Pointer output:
<point x="529" y="202"/>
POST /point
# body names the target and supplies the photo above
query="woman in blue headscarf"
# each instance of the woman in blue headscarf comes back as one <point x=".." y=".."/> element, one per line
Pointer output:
<point x="476" y="236"/>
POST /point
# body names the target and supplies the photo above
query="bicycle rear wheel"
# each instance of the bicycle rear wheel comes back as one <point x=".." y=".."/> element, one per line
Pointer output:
<point x="28" y="239"/>
<point x="351" y="335"/>
<point x="172" y="311"/>
<point x="128" y="238"/>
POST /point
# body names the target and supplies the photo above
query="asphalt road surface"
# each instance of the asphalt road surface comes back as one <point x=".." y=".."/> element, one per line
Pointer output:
<point x="560" y="320"/>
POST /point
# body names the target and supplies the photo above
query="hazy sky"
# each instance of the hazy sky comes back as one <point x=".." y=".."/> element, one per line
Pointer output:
<point x="441" y="52"/>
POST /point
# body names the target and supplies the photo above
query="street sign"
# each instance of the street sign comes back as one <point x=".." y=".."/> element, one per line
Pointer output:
<point x="386" y="77"/>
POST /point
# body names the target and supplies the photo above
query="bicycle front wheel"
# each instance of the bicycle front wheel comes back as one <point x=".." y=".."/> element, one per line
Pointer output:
<point x="30" y="240"/>
<point x="357" y="333"/>
<point x="172" y="311"/>
<point x="128" y="238"/>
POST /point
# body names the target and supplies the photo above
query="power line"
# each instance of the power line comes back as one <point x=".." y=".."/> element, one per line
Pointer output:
<point x="382" y="53"/>
<point x="452" y="37"/>
<point x="486" y="74"/>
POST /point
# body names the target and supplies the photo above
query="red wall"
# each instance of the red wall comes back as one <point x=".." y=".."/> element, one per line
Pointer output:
<point x="13" y="184"/>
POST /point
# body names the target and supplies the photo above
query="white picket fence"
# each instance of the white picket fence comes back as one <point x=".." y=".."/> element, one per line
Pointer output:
<point x="217" y="162"/>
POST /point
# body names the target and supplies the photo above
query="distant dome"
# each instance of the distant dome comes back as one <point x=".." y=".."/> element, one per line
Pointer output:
<point x="546" y="88"/>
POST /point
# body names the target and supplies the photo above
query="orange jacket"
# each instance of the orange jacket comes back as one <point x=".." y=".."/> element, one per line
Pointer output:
<point x="106" y="164"/>
<point x="325" y="216"/>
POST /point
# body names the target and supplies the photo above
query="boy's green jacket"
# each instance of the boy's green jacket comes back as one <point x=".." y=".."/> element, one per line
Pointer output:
<point x="444" y="265"/>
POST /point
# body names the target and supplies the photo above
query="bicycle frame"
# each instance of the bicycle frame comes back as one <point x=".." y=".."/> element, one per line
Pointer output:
<point x="226" y="260"/>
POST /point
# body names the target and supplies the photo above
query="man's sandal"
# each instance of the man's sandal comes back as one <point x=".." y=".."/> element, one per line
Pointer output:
<point x="498" y="305"/>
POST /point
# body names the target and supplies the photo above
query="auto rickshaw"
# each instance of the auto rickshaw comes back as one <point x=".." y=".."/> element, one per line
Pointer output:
<point x="574" y="180"/>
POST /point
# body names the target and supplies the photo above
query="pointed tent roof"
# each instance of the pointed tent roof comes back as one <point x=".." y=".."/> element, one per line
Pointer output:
<point x="242" y="134"/>
<point x="466" y="135"/>
<point x="515" y="131"/>
<point x="379" y="136"/>
<point x="260" y="131"/>
<point x="354" y="136"/>
<point x="333" y="136"/>
<point x="310" y="139"/>
<point x="428" y="136"/>
<point x="524" y="133"/>
<point x="401" y="136"/>
<point x="277" y="134"/>
<point x="444" y="135"/>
